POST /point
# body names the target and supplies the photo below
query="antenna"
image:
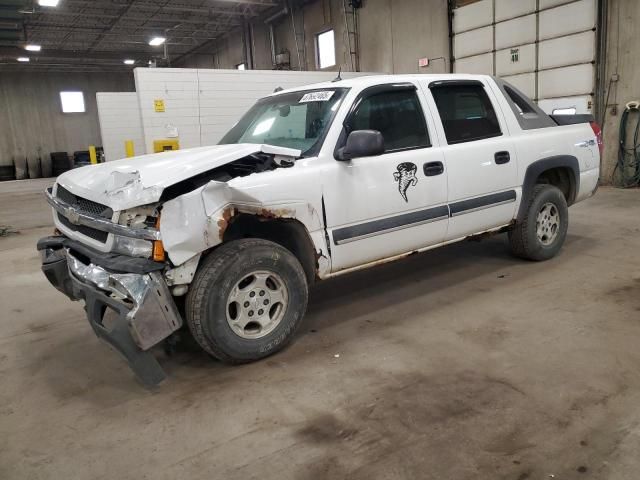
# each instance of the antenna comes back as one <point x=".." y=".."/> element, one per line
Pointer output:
<point x="339" y="77"/>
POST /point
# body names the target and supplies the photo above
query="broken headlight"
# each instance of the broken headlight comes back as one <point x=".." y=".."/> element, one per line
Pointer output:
<point x="134" y="218"/>
<point x="134" y="247"/>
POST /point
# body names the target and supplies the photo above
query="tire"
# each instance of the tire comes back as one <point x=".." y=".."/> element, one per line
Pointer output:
<point x="549" y="203"/>
<point x="232" y="272"/>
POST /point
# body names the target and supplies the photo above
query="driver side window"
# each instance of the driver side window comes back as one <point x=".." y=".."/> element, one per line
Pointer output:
<point x="397" y="115"/>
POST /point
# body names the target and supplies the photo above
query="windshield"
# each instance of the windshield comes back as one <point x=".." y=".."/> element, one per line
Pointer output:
<point x="297" y="120"/>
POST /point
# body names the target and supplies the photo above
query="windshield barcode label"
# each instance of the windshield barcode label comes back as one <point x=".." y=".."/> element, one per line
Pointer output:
<point x="317" y="96"/>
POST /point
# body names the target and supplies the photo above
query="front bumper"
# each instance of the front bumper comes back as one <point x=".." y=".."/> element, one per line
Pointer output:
<point x="131" y="312"/>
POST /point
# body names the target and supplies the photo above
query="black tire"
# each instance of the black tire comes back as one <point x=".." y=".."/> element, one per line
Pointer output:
<point x="523" y="238"/>
<point x="206" y="303"/>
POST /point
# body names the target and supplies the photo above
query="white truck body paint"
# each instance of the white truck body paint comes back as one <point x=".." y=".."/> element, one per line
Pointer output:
<point x="132" y="182"/>
<point x="348" y="194"/>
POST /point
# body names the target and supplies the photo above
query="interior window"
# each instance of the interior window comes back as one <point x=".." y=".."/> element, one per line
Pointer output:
<point x="466" y="112"/>
<point x="397" y="115"/>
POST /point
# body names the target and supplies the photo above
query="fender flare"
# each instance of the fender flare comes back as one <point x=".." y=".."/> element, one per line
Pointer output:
<point x="538" y="167"/>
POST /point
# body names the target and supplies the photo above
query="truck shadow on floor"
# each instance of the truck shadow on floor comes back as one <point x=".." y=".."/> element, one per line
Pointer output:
<point x="433" y="277"/>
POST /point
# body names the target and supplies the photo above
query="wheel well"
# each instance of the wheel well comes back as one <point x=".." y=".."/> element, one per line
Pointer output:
<point x="287" y="232"/>
<point x="562" y="178"/>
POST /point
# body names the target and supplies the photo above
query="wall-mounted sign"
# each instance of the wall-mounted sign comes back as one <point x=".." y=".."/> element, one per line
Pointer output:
<point x="515" y="55"/>
<point x="159" y="105"/>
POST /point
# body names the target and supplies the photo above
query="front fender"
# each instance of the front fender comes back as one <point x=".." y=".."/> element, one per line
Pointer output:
<point x="197" y="221"/>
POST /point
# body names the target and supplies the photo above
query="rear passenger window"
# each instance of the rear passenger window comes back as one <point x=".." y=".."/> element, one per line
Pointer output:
<point x="466" y="113"/>
<point x="397" y="115"/>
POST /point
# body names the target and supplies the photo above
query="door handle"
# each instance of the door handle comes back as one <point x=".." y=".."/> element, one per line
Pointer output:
<point x="432" y="169"/>
<point x="502" y="158"/>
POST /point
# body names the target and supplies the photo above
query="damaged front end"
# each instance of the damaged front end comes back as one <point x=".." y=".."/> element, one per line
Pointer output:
<point x="132" y="238"/>
<point x="130" y="311"/>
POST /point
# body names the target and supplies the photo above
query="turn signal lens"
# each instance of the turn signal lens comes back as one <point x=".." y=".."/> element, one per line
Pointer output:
<point x="158" y="247"/>
<point x="158" y="251"/>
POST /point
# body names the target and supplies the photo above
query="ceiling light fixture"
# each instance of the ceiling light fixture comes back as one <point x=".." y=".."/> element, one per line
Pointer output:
<point x="128" y="61"/>
<point x="48" y="3"/>
<point x="33" y="48"/>
<point x="23" y="59"/>
<point x="157" y="41"/>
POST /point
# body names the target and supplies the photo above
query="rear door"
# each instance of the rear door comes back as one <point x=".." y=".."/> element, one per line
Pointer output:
<point x="480" y="156"/>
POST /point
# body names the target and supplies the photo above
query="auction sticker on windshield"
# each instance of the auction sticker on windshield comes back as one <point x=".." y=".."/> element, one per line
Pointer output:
<point x="317" y="96"/>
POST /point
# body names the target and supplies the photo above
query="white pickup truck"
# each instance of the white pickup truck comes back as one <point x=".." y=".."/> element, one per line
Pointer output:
<point x="311" y="183"/>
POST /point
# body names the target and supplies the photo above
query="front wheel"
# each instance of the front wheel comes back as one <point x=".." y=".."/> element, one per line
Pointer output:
<point x="247" y="300"/>
<point x="541" y="233"/>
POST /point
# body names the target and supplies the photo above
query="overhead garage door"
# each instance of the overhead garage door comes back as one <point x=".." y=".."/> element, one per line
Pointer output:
<point x="546" y="48"/>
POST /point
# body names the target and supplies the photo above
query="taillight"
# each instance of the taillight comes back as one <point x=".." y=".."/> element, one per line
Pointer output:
<point x="597" y="131"/>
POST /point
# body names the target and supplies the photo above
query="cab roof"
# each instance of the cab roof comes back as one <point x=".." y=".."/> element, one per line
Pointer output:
<point x="371" y="80"/>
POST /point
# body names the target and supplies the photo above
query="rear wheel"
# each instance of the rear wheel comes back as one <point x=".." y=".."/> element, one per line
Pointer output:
<point x="541" y="233"/>
<point x="247" y="300"/>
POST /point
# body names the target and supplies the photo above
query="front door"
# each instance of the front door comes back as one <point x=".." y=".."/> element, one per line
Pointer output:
<point x="383" y="206"/>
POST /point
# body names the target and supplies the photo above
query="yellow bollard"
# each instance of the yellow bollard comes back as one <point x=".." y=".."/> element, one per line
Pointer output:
<point x="128" y="148"/>
<point x="92" y="155"/>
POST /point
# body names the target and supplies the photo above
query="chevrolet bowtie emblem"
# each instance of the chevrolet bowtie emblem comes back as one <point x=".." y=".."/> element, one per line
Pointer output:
<point x="73" y="216"/>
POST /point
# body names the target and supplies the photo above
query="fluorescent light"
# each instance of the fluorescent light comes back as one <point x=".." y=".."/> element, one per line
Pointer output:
<point x="48" y="3"/>
<point x="23" y="59"/>
<point x="128" y="61"/>
<point x="156" y="41"/>
<point x="33" y="48"/>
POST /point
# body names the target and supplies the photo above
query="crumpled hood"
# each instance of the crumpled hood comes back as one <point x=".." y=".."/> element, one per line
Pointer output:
<point x="137" y="181"/>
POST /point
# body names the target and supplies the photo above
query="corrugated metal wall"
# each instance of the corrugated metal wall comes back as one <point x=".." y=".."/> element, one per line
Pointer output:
<point x="544" y="47"/>
<point x="31" y="120"/>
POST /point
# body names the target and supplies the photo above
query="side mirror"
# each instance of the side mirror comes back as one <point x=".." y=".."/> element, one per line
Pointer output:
<point x="362" y="143"/>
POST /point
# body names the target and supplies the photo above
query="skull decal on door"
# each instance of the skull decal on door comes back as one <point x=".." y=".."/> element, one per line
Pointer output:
<point x="406" y="177"/>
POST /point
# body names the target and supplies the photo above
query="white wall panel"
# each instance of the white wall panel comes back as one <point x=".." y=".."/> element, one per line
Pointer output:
<point x="567" y="19"/>
<point x="515" y="60"/>
<point x="582" y="104"/>
<point x="525" y="82"/>
<point x="479" y="64"/>
<point x="566" y="81"/>
<point x="476" y="15"/>
<point x="518" y="31"/>
<point x="506" y="9"/>
<point x="204" y="104"/>
<point x="119" y="117"/>
<point x="569" y="50"/>
<point x="473" y="42"/>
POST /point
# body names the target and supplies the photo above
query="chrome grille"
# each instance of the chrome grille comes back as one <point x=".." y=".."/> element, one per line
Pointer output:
<point x="94" y="233"/>
<point x="84" y="205"/>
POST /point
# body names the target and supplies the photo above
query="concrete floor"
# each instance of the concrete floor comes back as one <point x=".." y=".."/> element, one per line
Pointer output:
<point x="461" y="363"/>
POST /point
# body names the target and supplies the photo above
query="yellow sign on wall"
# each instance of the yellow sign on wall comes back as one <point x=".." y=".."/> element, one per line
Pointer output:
<point x="159" y="105"/>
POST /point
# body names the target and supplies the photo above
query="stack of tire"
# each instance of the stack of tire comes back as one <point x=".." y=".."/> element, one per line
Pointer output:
<point x="60" y="163"/>
<point x="7" y="172"/>
<point x="20" y="163"/>
<point x="81" y="158"/>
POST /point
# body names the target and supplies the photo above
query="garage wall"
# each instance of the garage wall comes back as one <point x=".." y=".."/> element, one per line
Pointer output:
<point x="31" y="118"/>
<point x="622" y="59"/>
<point x="394" y="34"/>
